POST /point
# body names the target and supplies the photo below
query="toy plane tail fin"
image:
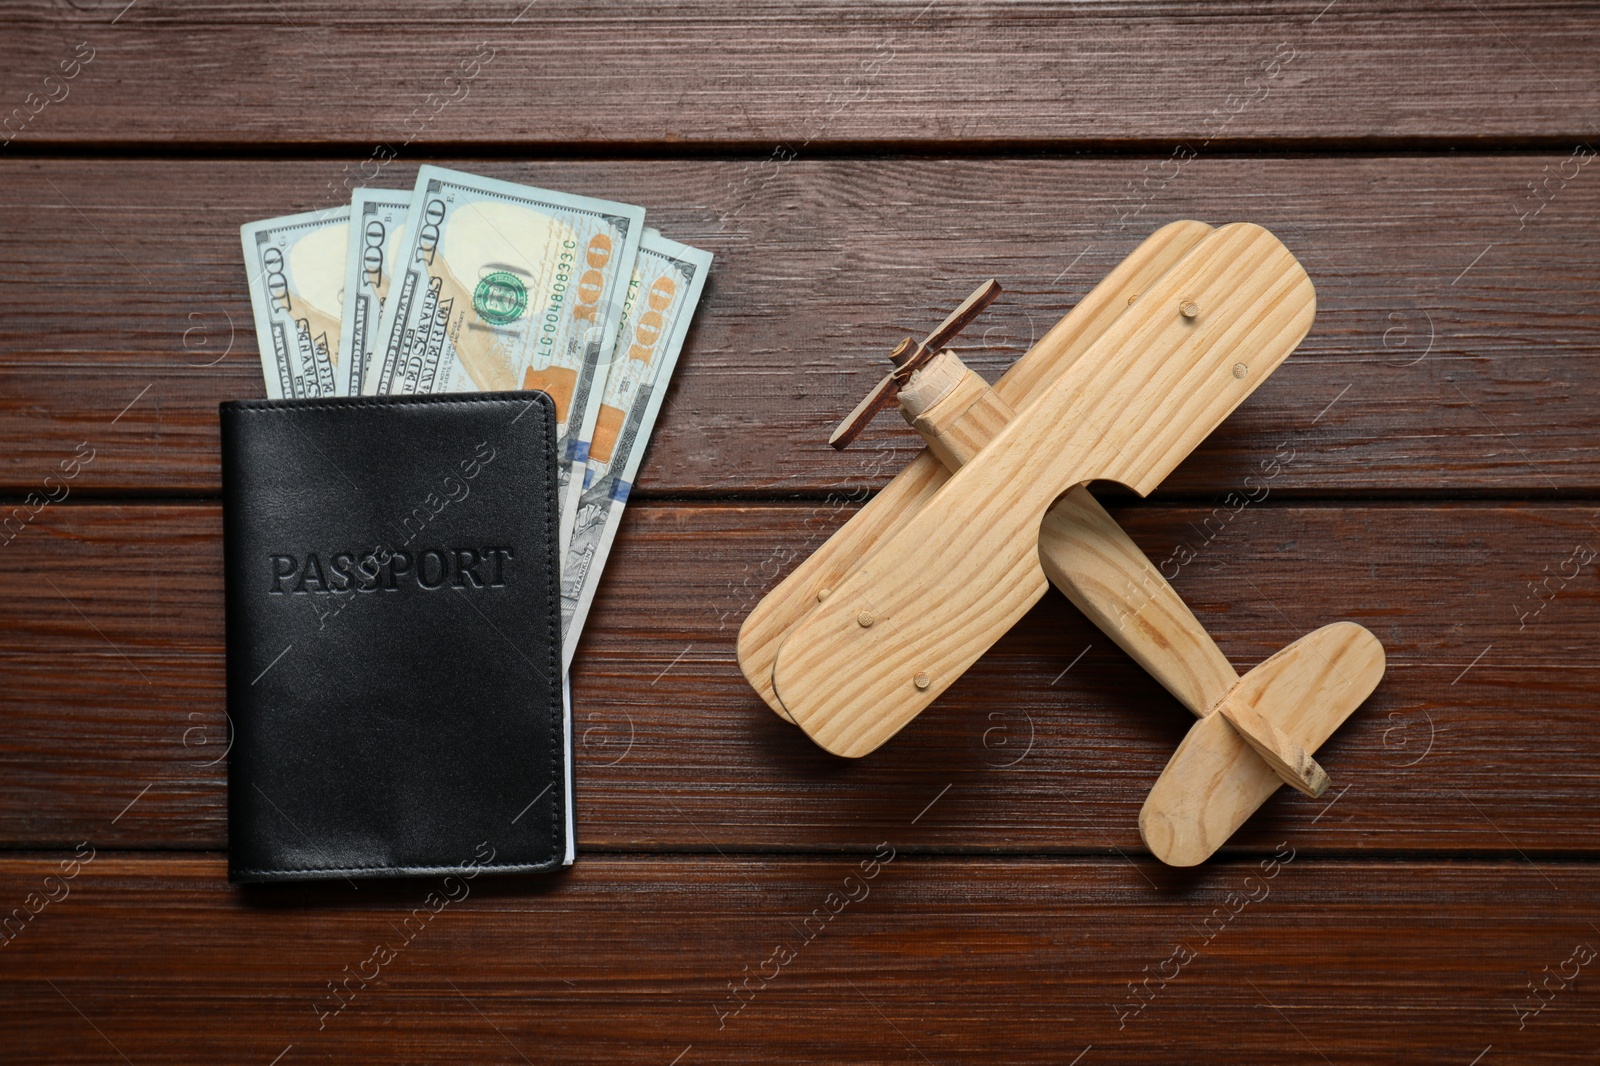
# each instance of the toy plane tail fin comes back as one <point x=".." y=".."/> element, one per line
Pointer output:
<point x="1262" y="734"/>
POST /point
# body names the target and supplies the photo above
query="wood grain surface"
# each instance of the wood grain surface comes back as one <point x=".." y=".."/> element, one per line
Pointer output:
<point x="710" y="73"/>
<point x="1446" y="354"/>
<point x="1425" y="464"/>
<point x="923" y="961"/>
<point x="1049" y="744"/>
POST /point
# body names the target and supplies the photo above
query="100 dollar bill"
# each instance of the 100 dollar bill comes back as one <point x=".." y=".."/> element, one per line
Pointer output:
<point x="296" y="270"/>
<point x="667" y="281"/>
<point x="502" y="286"/>
<point x="377" y="228"/>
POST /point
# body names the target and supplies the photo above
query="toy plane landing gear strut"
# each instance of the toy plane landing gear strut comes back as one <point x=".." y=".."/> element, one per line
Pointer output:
<point x="939" y="565"/>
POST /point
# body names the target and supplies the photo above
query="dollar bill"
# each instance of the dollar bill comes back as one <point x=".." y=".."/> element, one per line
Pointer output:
<point x="377" y="228"/>
<point x="502" y="286"/>
<point x="296" y="270"/>
<point x="666" y="285"/>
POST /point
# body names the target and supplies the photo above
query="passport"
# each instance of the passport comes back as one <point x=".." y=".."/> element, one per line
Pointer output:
<point x="394" y="677"/>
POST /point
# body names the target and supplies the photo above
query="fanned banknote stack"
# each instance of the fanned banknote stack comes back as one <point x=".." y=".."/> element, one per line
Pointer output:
<point x="470" y="284"/>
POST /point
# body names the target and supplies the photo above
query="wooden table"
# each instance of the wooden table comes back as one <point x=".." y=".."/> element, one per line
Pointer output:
<point x="1434" y="476"/>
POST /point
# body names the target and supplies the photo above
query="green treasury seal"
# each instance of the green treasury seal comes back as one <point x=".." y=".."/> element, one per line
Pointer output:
<point x="500" y="298"/>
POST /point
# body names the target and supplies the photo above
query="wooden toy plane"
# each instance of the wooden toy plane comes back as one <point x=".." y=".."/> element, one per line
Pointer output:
<point x="939" y="565"/>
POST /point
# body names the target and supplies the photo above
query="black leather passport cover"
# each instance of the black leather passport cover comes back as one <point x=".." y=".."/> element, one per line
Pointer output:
<point x="393" y="637"/>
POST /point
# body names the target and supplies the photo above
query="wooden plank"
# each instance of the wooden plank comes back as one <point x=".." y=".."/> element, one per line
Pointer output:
<point x="1281" y="957"/>
<point x="1478" y="739"/>
<point x="410" y="74"/>
<point x="1447" y="354"/>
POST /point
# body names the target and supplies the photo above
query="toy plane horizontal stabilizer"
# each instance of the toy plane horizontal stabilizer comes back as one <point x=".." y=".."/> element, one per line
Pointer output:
<point x="1216" y="779"/>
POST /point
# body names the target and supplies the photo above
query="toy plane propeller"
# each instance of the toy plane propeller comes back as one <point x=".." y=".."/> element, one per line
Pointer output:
<point x="866" y="633"/>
